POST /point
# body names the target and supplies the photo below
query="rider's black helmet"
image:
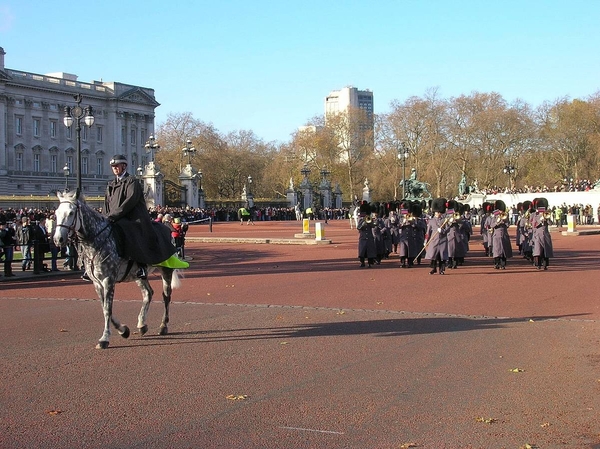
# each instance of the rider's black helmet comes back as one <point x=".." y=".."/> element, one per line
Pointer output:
<point x="118" y="159"/>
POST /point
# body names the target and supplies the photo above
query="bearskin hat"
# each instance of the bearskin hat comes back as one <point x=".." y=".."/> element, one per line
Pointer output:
<point x="465" y="208"/>
<point x="416" y="209"/>
<point x="451" y="206"/>
<point x="540" y="204"/>
<point x="500" y="205"/>
<point x="520" y="207"/>
<point x="364" y="208"/>
<point x="486" y="206"/>
<point x="438" y="205"/>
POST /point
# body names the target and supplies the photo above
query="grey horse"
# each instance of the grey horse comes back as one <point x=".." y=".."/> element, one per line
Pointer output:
<point x="93" y="234"/>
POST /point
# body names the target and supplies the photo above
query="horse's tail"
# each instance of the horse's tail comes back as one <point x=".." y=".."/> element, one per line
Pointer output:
<point x="176" y="279"/>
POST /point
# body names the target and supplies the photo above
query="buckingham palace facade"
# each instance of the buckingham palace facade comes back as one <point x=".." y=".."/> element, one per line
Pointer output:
<point x="36" y="146"/>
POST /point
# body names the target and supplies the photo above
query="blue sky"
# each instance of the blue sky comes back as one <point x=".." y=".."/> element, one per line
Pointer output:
<point x="266" y="66"/>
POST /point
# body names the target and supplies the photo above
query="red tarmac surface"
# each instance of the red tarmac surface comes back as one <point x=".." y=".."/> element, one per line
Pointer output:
<point x="312" y="351"/>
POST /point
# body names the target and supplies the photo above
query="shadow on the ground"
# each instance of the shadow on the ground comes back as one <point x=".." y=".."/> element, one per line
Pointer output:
<point x="378" y="328"/>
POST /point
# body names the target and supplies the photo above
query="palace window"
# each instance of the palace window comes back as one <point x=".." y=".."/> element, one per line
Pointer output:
<point x="19" y="125"/>
<point x="36" y="162"/>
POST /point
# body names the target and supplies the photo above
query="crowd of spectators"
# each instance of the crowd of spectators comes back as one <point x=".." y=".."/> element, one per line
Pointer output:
<point x="577" y="185"/>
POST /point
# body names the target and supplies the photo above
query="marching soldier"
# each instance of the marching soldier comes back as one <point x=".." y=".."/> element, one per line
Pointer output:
<point x="484" y="226"/>
<point x="366" y="240"/>
<point x="456" y="235"/>
<point x="406" y="241"/>
<point x="526" y="232"/>
<point x="542" y="241"/>
<point x="436" y="240"/>
<point x="420" y="230"/>
<point x="501" y="246"/>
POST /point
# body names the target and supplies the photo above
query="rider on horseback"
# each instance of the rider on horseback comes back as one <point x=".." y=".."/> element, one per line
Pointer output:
<point x="144" y="241"/>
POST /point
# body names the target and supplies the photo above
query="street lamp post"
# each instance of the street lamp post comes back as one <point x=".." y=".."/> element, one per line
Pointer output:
<point x="151" y="146"/>
<point x="509" y="170"/>
<point x="403" y="155"/>
<point x="66" y="172"/>
<point x="76" y="114"/>
<point x="188" y="150"/>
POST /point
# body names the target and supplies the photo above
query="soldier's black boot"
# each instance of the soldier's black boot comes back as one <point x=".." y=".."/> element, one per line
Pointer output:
<point x="433" y="269"/>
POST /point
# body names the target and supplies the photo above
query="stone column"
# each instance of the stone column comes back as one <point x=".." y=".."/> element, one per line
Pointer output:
<point x="153" y="185"/>
<point x="188" y="178"/>
<point x="291" y="195"/>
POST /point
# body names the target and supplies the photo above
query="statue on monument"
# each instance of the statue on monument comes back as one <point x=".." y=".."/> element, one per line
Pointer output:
<point x="462" y="185"/>
<point x="415" y="189"/>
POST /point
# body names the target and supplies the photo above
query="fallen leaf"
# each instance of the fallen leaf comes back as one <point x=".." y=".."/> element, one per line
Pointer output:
<point x="517" y="370"/>
<point x="237" y="397"/>
<point x="529" y="446"/>
<point x="283" y="343"/>
<point x="407" y="445"/>
<point x="63" y="330"/>
<point x="546" y="424"/>
<point x="381" y="302"/>
<point x="341" y="312"/>
<point x="531" y="321"/>
<point x="54" y="412"/>
<point x="486" y="420"/>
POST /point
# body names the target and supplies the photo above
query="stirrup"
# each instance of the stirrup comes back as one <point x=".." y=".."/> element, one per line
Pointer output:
<point x="173" y="262"/>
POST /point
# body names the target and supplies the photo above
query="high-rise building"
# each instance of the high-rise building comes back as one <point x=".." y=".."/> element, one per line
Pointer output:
<point x="35" y="144"/>
<point x="341" y="100"/>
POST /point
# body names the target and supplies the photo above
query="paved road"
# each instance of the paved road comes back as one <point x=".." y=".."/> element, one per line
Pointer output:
<point x="286" y="346"/>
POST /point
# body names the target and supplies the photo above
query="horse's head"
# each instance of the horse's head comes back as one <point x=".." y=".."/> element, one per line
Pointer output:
<point x="67" y="217"/>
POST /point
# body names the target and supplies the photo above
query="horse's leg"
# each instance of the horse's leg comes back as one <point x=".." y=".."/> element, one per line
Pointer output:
<point x="105" y="293"/>
<point x="167" y="278"/>
<point x="147" y="294"/>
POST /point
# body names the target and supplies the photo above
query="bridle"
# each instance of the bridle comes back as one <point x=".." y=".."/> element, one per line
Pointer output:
<point x="74" y="229"/>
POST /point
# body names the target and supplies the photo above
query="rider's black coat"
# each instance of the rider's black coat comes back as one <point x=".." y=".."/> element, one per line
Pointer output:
<point x="145" y="241"/>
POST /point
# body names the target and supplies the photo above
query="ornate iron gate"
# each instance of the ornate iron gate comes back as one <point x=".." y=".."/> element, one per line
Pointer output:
<point x="174" y="194"/>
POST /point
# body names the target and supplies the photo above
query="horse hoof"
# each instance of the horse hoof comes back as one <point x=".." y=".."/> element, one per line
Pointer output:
<point x="125" y="333"/>
<point x="143" y="329"/>
<point x="102" y="345"/>
<point x="163" y="330"/>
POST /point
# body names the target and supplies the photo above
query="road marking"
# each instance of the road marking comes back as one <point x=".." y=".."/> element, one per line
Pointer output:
<point x="311" y="430"/>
